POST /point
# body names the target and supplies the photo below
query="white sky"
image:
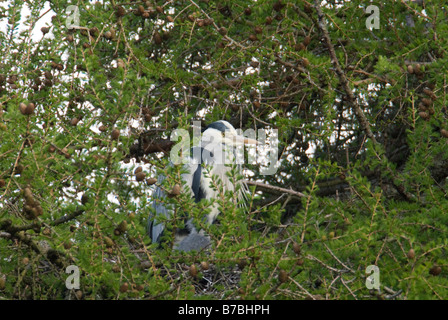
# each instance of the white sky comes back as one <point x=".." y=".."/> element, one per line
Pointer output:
<point x="36" y="33"/>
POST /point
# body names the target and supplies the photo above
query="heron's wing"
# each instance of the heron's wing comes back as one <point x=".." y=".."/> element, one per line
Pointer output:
<point x="194" y="241"/>
<point x="191" y="179"/>
<point x="197" y="181"/>
<point x="155" y="229"/>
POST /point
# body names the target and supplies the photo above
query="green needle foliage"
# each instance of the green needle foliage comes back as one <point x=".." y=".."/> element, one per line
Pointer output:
<point x="86" y="115"/>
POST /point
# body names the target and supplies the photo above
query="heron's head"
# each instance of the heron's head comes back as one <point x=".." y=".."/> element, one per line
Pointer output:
<point x="222" y="132"/>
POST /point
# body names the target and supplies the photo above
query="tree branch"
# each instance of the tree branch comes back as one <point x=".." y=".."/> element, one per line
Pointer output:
<point x="274" y="189"/>
<point x="341" y="75"/>
<point x="67" y="217"/>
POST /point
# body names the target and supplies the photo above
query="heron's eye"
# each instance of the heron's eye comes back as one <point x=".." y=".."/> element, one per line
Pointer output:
<point x="223" y="134"/>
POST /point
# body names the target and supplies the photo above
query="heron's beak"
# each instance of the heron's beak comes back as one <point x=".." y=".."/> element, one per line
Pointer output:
<point x="240" y="140"/>
<point x="251" y="141"/>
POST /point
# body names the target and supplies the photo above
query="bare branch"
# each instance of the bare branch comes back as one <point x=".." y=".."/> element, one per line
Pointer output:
<point x="274" y="189"/>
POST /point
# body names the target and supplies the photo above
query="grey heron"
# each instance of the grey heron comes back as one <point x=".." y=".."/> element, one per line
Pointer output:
<point x="216" y="150"/>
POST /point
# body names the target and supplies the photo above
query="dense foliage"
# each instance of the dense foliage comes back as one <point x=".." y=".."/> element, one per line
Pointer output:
<point x="363" y="159"/>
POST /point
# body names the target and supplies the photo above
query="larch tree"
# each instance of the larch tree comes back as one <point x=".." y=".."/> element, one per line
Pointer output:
<point x="90" y="93"/>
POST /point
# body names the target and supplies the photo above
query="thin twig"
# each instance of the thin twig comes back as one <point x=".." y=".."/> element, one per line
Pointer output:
<point x="302" y="288"/>
<point x="276" y="189"/>
<point x="336" y="258"/>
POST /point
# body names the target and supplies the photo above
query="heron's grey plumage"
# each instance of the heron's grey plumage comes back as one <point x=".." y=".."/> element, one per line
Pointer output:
<point x="204" y="158"/>
<point x="194" y="241"/>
